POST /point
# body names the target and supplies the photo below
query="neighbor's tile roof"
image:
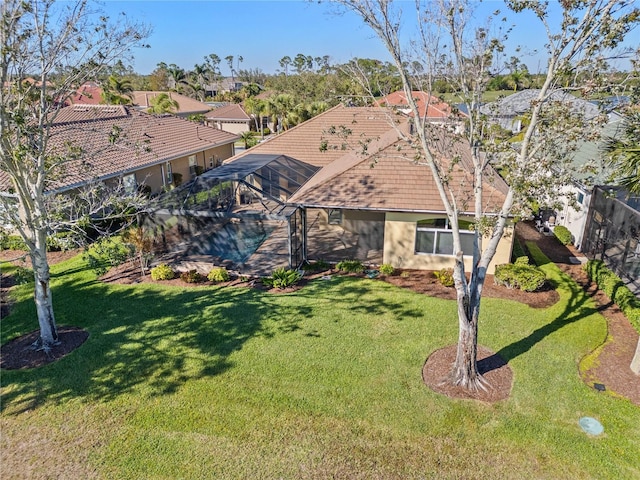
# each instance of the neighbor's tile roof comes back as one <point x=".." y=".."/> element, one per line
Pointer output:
<point x="230" y="112"/>
<point x="519" y="103"/>
<point x="141" y="140"/>
<point x="429" y="106"/>
<point x="89" y="93"/>
<point x="186" y="105"/>
<point x="386" y="177"/>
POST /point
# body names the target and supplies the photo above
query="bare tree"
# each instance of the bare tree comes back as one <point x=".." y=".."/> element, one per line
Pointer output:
<point x="49" y="48"/>
<point x="449" y="42"/>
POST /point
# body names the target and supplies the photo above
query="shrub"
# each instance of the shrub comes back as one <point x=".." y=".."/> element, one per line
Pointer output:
<point x="405" y="274"/>
<point x="563" y="235"/>
<point x="282" y="278"/>
<point x="615" y="289"/>
<point x="12" y="242"/>
<point x="350" y="266"/>
<point x="386" y="269"/>
<point x="191" y="276"/>
<point x="23" y="275"/>
<point x="445" y="276"/>
<point x="162" y="272"/>
<point x="317" y="266"/>
<point x="106" y="253"/>
<point x="518" y="250"/>
<point x="62" y="241"/>
<point x="218" y="274"/>
<point x="528" y="278"/>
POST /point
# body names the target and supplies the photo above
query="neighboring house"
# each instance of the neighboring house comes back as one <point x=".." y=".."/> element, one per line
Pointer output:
<point x="89" y="93"/>
<point x="158" y="152"/>
<point x="509" y="112"/>
<point x="186" y="106"/>
<point x="431" y="108"/>
<point x="230" y="118"/>
<point x="223" y="86"/>
<point x="341" y="200"/>
<point x="612" y="233"/>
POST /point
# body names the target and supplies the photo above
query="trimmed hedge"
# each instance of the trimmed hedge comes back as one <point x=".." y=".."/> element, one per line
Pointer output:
<point x="563" y="235"/>
<point x="615" y="289"/>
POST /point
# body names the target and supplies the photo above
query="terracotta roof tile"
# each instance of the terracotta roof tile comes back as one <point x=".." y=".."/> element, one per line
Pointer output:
<point x="228" y="112"/>
<point x="386" y="177"/>
<point x="142" y="140"/>
<point x="186" y="105"/>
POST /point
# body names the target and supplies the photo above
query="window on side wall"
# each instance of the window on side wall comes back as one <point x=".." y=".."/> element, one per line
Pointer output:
<point x="129" y="183"/>
<point x="335" y="217"/>
<point x="434" y="237"/>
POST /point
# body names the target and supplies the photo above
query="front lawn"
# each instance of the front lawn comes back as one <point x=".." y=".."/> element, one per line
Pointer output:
<point x="230" y="383"/>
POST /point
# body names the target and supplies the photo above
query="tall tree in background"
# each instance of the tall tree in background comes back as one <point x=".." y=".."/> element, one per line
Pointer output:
<point x="58" y="45"/>
<point x="450" y="42"/>
<point x="162" y="103"/>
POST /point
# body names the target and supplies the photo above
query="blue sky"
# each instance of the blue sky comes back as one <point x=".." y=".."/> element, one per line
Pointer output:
<point x="264" y="31"/>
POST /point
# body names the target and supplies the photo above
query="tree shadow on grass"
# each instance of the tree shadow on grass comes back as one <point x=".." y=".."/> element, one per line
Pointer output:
<point x="151" y="339"/>
<point x="577" y="306"/>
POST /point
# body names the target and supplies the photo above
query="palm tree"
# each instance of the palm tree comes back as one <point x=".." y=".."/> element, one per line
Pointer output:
<point x="622" y="154"/>
<point x="256" y="109"/>
<point x="247" y="138"/>
<point x="162" y="104"/>
<point x="117" y="91"/>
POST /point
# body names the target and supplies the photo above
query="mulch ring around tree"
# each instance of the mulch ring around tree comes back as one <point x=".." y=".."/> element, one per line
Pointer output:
<point x="496" y="372"/>
<point x="20" y="352"/>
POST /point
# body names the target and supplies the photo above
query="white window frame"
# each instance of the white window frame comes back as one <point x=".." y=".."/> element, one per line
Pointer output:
<point x="169" y="173"/>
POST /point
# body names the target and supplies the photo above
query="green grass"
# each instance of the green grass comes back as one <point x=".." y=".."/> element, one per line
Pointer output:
<point x="228" y="383"/>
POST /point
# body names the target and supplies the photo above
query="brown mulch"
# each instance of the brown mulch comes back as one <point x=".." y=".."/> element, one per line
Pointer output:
<point x="610" y="370"/>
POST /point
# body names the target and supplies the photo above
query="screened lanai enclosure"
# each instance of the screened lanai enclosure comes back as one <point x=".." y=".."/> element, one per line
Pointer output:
<point x="236" y="215"/>
<point x="612" y="233"/>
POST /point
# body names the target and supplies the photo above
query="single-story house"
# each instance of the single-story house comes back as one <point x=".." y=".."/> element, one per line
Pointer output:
<point x="156" y="151"/>
<point x="230" y="118"/>
<point x="347" y="187"/>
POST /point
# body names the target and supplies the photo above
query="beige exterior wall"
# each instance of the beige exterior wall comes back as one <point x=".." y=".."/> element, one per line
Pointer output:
<point x="232" y="127"/>
<point x="399" y="246"/>
<point x="207" y="159"/>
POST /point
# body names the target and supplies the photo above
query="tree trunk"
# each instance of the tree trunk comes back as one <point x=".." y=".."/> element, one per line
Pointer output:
<point x="635" y="362"/>
<point x="44" y="302"/>
<point x="465" y="369"/>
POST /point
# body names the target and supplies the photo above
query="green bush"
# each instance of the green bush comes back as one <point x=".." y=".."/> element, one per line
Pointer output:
<point x="445" y="276"/>
<point x="106" y="253"/>
<point x="282" y="278"/>
<point x="386" y="269"/>
<point x="191" y="276"/>
<point x="317" y="266"/>
<point x="524" y="260"/>
<point x="218" y="274"/>
<point x="350" y="266"/>
<point x="162" y="272"/>
<point x="23" y="275"/>
<point x="563" y="235"/>
<point x="615" y="289"/>
<point x="528" y="278"/>
<point x="12" y="242"/>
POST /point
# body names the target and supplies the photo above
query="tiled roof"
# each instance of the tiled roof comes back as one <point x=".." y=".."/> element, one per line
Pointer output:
<point x="141" y="140"/>
<point x="518" y="103"/>
<point x="186" y="105"/>
<point x="386" y="177"/>
<point x="89" y="93"/>
<point x="304" y="141"/>
<point x="429" y="106"/>
<point x="392" y="180"/>
<point x="232" y="111"/>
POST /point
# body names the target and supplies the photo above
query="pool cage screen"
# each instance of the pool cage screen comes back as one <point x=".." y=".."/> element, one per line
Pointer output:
<point x="238" y="205"/>
<point x="612" y="232"/>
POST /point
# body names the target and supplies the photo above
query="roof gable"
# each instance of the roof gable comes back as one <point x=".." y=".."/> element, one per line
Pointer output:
<point x="232" y="111"/>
